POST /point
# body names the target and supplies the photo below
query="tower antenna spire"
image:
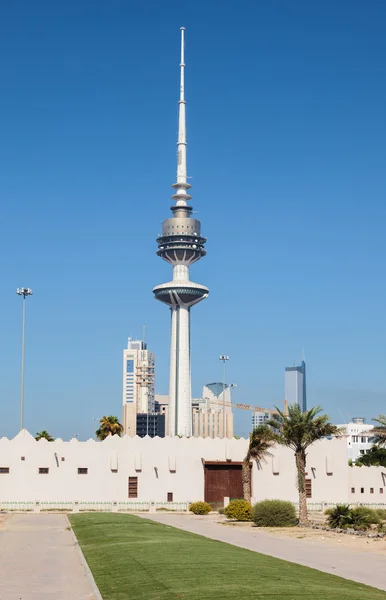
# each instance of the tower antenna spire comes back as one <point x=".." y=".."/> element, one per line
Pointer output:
<point x="181" y="196"/>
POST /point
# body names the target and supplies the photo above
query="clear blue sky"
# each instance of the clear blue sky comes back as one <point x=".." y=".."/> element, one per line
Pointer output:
<point x="286" y="147"/>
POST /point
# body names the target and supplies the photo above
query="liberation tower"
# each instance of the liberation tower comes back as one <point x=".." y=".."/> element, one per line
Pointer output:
<point x="181" y="245"/>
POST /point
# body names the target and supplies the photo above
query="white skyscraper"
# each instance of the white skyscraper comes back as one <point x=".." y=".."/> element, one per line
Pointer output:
<point x="181" y="245"/>
<point x="138" y="384"/>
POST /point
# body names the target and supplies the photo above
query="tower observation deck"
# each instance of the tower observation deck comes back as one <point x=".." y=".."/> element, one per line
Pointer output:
<point x="181" y="245"/>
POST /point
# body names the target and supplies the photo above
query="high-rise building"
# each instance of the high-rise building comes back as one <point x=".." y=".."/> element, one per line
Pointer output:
<point x="151" y="424"/>
<point x="213" y="424"/>
<point x="181" y="245"/>
<point x="259" y="418"/>
<point x="138" y="384"/>
<point x="217" y="393"/>
<point x="295" y="385"/>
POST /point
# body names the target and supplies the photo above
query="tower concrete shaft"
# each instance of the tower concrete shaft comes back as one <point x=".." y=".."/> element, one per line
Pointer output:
<point x="181" y="245"/>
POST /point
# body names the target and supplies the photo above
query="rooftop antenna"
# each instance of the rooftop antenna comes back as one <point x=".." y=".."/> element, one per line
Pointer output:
<point x="181" y="185"/>
<point x="143" y="333"/>
<point x="340" y="412"/>
<point x="303" y="356"/>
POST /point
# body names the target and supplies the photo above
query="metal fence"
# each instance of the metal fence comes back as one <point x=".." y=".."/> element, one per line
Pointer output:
<point x="93" y="506"/>
<point x="172" y="506"/>
<point x="133" y="506"/>
<point x="55" y="506"/>
<point x="322" y="506"/>
<point x="17" y="506"/>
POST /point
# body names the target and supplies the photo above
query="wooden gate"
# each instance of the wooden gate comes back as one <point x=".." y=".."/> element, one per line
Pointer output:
<point x="223" y="479"/>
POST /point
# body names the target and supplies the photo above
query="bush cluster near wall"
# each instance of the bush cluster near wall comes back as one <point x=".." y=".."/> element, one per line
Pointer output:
<point x="268" y="513"/>
<point x="200" y="508"/>
<point x="274" y="513"/>
<point x="241" y="510"/>
<point x="360" y="518"/>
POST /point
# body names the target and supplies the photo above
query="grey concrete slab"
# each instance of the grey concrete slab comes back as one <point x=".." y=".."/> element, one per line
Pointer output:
<point x="364" y="567"/>
<point x="39" y="559"/>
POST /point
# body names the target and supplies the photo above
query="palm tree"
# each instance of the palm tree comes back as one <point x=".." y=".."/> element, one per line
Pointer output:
<point x="379" y="431"/>
<point x="298" y="431"/>
<point x="44" y="435"/>
<point x="260" y="442"/>
<point x="108" y="426"/>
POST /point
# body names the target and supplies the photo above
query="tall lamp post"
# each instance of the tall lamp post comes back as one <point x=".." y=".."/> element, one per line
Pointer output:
<point x="224" y="360"/>
<point x="22" y="292"/>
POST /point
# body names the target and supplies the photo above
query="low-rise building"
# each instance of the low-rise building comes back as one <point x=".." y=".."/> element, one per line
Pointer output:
<point x="359" y="437"/>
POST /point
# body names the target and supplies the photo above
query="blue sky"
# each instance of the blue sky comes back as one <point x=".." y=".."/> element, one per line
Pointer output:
<point x="286" y="150"/>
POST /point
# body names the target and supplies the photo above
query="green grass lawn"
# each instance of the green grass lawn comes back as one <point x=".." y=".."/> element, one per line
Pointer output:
<point x="133" y="558"/>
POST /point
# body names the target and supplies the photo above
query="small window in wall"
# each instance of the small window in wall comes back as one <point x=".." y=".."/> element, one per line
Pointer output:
<point x="371" y="490"/>
<point x="362" y="490"/>
<point x="4" y="470"/>
<point x="22" y="458"/>
<point x="43" y="470"/>
<point x="381" y="490"/>
<point x="82" y="471"/>
<point x="308" y="488"/>
<point x="353" y="490"/>
<point x="170" y="496"/>
<point x="133" y="487"/>
<point x="62" y="459"/>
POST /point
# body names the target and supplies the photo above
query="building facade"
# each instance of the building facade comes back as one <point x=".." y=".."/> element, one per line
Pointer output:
<point x="359" y="438"/>
<point x="218" y="396"/>
<point x="295" y="385"/>
<point x="151" y="424"/>
<point x="213" y="424"/>
<point x="259" y="418"/>
<point x="132" y="473"/>
<point x="181" y="245"/>
<point x="138" y="384"/>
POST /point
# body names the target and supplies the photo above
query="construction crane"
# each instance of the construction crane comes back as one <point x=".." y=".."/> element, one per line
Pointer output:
<point x="250" y="407"/>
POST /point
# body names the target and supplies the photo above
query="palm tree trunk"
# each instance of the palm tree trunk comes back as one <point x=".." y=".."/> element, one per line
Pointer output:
<point x="300" y="457"/>
<point x="246" y="479"/>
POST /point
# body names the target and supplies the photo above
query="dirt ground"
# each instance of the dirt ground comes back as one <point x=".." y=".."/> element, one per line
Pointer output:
<point x="318" y="536"/>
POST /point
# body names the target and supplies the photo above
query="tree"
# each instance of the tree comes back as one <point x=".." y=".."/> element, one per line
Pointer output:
<point x="108" y="426"/>
<point x="260" y="442"/>
<point x="44" y="435"/>
<point x="375" y="457"/>
<point x="379" y="431"/>
<point x="298" y="431"/>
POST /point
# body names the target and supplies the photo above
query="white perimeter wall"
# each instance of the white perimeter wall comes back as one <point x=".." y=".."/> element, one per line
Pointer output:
<point x="327" y="467"/>
<point x="174" y="465"/>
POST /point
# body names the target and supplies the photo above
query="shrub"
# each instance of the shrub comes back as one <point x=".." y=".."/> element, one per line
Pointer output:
<point x="339" y="516"/>
<point x="274" y="513"/>
<point x="241" y="510"/>
<point x="363" y="517"/>
<point x="221" y="511"/>
<point x="200" y="508"/>
<point x="381" y="512"/>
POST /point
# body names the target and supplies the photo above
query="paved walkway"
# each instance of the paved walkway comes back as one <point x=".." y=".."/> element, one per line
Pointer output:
<point x="364" y="567"/>
<point x="39" y="560"/>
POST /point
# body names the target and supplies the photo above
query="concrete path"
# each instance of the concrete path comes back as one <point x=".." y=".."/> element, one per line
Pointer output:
<point x="39" y="559"/>
<point x="364" y="567"/>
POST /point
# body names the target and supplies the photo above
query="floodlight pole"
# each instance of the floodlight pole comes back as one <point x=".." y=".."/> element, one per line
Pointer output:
<point x="22" y="292"/>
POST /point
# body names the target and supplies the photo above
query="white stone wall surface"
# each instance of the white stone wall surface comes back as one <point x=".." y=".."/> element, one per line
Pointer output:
<point x="172" y="465"/>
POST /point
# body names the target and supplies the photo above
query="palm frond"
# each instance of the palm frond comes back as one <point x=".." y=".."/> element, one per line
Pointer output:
<point x="379" y="430"/>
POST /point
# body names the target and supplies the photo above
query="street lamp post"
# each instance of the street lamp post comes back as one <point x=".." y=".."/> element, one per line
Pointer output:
<point x="224" y="360"/>
<point x="22" y="292"/>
